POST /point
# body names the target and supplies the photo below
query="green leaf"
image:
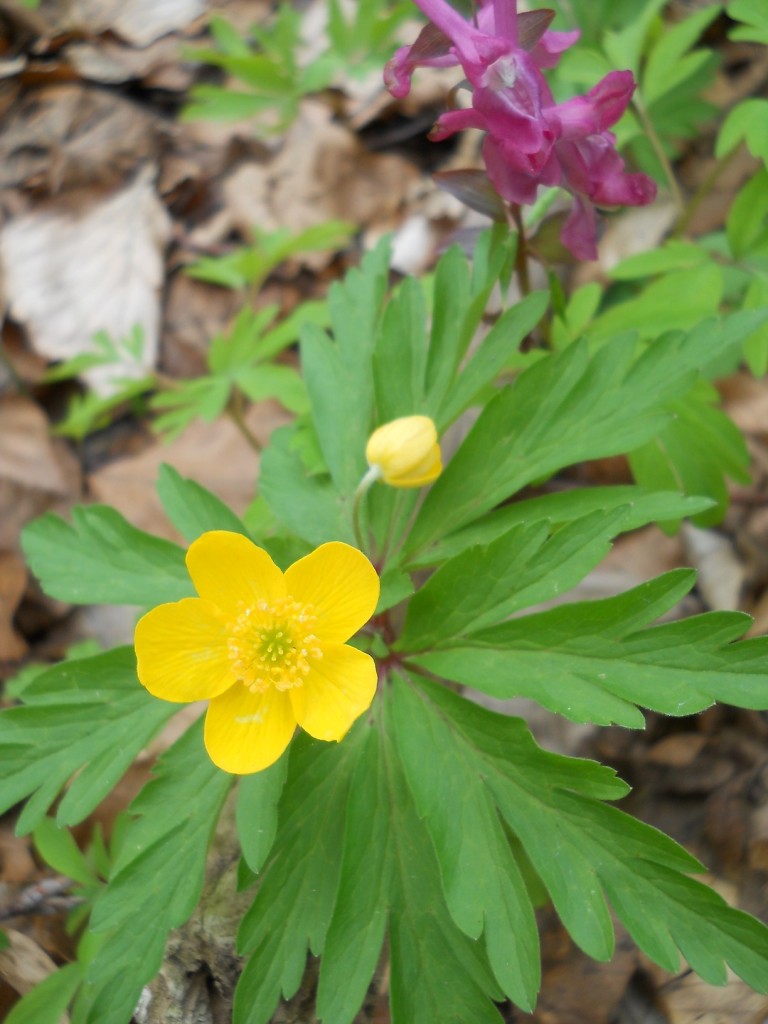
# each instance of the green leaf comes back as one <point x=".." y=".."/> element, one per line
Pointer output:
<point x="201" y="398"/>
<point x="49" y="999"/>
<point x="756" y="344"/>
<point x="525" y="566"/>
<point x="583" y="850"/>
<point x="494" y="353"/>
<point x="281" y="382"/>
<point x="596" y="662"/>
<point x="357" y="928"/>
<point x="102" y="559"/>
<point x="310" y="506"/>
<point x="695" y="452"/>
<point x="624" y="47"/>
<point x="746" y="227"/>
<point x="642" y="506"/>
<point x="191" y="508"/>
<point x="566" y="408"/>
<point x="748" y="120"/>
<point x="675" y="254"/>
<point x="339" y="374"/>
<point x="293" y="905"/>
<point x="437" y="973"/>
<point x="483" y="886"/>
<point x="257" y="800"/>
<point x="669" y="64"/>
<point x="87" y="718"/>
<point x="400" y="355"/>
<point x="156" y="879"/>
<point x="677" y="301"/>
<point x="752" y="15"/>
<point x="58" y="848"/>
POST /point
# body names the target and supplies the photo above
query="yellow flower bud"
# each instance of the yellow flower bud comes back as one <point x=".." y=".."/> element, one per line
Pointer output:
<point x="405" y="452"/>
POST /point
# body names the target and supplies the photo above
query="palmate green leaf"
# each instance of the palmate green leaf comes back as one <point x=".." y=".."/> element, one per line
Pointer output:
<point x="494" y="353"/>
<point x="524" y="566"/>
<point x="389" y="883"/>
<point x="669" y="64"/>
<point x="748" y="120"/>
<point x="191" y="508"/>
<point x="568" y="407"/>
<point x="583" y="849"/>
<point x="102" y="559"/>
<point x="47" y="1002"/>
<point x="754" y="18"/>
<point x="641" y="506"/>
<point x="293" y="905"/>
<point x="483" y="886"/>
<point x="400" y="355"/>
<point x="695" y="452"/>
<point x="309" y="506"/>
<point x="679" y="300"/>
<point x="257" y="800"/>
<point x="594" y="661"/>
<point x="84" y="720"/>
<point x="156" y="879"/>
<point x="338" y="373"/>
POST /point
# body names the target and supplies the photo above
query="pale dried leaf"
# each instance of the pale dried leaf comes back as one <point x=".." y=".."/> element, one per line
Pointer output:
<point x="721" y="573"/>
<point x="73" y="136"/>
<point x="215" y="454"/>
<point x="139" y="22"/>
<point x="321" y="172"/>
<point x="28" y="454"/>
<point x="13" y="580"/>
<point x="69" y="275"/>
<point x="24" y="964"/>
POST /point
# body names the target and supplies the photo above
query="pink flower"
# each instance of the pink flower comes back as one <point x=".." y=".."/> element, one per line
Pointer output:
<point x="531" y="140"/>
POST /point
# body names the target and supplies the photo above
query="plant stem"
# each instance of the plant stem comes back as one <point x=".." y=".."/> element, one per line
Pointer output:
<point x="521" y="255"/>
<point x="655" y="141"/>
<point x="701" y="193"/>
<point x="373" y="474"/>
<point x="235" y="412"/>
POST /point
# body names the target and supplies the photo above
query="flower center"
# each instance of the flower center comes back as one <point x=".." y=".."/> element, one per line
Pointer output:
<point x="502" y="74"/>
<point x="272" y="644"/>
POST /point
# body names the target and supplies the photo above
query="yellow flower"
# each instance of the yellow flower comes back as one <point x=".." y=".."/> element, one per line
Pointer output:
<point x="267" y="648"/>
<point x="405" y="452"/>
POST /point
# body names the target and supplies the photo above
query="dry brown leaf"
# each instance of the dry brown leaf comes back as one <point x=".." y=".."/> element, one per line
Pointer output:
<point x="321" y="172"/>
<point x="37" y="471"/>
<point x="721" y="572"/>
<point x="215" y="454"/>
<point x="13" y="580"/>
<point x="28" y="454"/>
<point x="139" y="22"/>
<point x="24" y="964"/>
<point x="158" y="65"/>
<point x="69" y="274"/>
<point x="72" y="136"/>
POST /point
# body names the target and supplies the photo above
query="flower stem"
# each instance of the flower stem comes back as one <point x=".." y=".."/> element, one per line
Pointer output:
<point x="521" y="254"/>
<point x="661" y="156"/>
<point x="370" y="478"/>
<point x="236" y="413"/>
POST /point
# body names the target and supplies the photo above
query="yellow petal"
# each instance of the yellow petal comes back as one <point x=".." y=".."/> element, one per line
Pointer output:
<point x="342" y="585"/>
<point x="182" y="653"/>
<point x="229" y="570"/>
<point x="406" y="451"/>
<point x="420" y="474"/>
<point x="246" y="732"/>
<point x="339" y="688"/>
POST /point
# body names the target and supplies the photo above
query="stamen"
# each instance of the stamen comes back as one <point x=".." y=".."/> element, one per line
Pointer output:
<point x="271" y="644"/>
